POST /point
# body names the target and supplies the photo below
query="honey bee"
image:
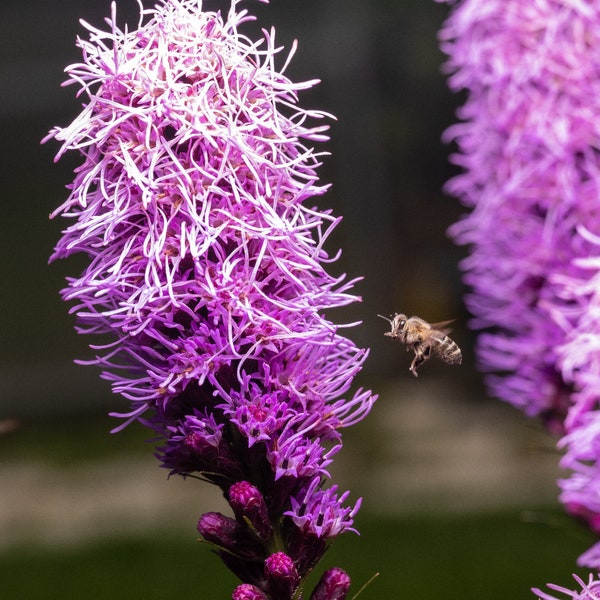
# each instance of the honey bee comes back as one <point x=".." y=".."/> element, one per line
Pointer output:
<point x="424" y="339"/>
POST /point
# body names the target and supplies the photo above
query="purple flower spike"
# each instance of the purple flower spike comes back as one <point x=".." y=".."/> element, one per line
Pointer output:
<point x="528" y="145"/>
<point x="333" y="585"/>
<point x="320" y="512"/>
<point x="229" y="535"/>
<point x="528" y="149"/>
<point x="194" y="204"/>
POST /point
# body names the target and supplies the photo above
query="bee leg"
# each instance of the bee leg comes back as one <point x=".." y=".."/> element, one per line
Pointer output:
<point x="421" y="355"/>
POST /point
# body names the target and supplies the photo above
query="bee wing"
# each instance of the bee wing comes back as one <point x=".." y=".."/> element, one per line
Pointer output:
<point x="438" y="335"/>
<point x="441" y="326"/>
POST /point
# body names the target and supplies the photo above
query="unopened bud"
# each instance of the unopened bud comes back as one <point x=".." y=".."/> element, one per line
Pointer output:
<point x="282" y="576"/>
<point x="246" y="591"/>
<point x="249" y="506"/>
<point x="333" y="585"/>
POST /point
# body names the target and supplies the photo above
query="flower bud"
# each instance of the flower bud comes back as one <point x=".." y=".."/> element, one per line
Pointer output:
<point x="282" y="576"/>
<point x="247" y="591"/>
<point x="228" y="534"/>
<point x="333" y="585"/>
<point x="249" y="506"/>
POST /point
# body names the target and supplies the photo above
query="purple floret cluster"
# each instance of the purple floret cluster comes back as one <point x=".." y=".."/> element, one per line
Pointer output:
<point x="529" y="147"/>
<point x="206" y="279"/>
<point x="586" y="591"/>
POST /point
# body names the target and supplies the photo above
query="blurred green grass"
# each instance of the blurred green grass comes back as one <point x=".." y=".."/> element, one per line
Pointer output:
<point x="470" y="557"/>
<point x="74" y="438"/>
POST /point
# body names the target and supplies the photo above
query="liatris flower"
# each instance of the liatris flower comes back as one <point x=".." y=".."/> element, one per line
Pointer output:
<point x="206" y="278"/>
<point x="530" y="176"/>
<point x="589" y="591"/>
<point x="528" y="145"/>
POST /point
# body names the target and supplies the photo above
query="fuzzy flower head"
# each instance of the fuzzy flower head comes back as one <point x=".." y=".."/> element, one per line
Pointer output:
<point x="528" y="145"/>
<point x="206" y="277"/>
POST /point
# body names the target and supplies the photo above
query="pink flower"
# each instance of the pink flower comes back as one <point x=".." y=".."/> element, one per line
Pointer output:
<point x="528" y="145"/>
<point x="206" y="278"/>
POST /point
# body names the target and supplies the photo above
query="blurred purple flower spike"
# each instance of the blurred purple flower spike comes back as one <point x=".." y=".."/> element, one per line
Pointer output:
<point x="529" y="146"/>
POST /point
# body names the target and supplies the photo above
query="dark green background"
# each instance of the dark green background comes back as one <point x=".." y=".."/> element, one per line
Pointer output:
<point x="492" y="557"/>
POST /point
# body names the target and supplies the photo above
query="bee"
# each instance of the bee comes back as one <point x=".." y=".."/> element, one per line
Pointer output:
<point x="424" y="339"/>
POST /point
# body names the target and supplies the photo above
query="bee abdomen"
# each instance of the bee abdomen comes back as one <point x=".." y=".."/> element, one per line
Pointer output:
<point x="449" y="351"/>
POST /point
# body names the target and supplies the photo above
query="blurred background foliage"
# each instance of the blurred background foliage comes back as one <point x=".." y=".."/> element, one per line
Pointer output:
<point x="444" y="471"/>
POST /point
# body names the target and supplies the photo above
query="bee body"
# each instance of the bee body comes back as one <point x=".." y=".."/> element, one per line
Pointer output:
<point x="424" y="339"/>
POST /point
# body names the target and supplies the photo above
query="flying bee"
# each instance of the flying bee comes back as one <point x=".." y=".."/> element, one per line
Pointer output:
<point x="424" y="339"/>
